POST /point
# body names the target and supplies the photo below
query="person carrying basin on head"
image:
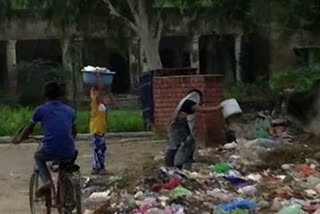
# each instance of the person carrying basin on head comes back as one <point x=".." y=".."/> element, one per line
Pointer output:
<point x="101" y="99"/>
<point x="182" y="142"/>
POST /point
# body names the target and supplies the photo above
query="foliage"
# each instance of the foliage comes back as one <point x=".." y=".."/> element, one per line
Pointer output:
<point x="299" y="79"/>
<point x="118" y="121"/>
<point x="296" y="14"/>
<point x="249" y="91"/>
<point x="66" y="13"/>
<point x="32" y="77"/>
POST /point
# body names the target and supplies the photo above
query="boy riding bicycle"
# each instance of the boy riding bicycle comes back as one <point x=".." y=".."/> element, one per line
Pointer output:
<point x="59" y="130"/>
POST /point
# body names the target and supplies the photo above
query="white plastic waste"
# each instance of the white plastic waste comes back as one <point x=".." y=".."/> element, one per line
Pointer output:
<point x="249" y="191"/>
<point x="230" y="146"/>
<point x="100" y="196"/>
<point x="88" y="212"/>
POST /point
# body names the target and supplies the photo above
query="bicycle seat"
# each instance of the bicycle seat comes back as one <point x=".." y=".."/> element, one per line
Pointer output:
<point x="67" y="164"/>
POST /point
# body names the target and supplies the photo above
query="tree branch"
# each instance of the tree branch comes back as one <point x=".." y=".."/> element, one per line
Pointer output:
<point x="159" y="29"/>
<point x="114" y="12"/>
<point x="133" y="9"/>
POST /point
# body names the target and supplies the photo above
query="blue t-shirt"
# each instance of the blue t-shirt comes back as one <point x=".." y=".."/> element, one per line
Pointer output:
<point x="57" y="121"/>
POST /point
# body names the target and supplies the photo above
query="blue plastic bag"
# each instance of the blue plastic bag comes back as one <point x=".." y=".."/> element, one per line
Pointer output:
<point x="238" y="182"/>
<point x="239" y="204"/>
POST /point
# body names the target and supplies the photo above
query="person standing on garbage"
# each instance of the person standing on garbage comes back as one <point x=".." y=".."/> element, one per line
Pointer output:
<point x="181" y="130"/>
<point x="101" y="98"/>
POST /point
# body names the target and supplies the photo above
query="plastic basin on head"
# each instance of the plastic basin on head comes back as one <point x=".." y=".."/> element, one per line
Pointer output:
<point x="91" y="78"/>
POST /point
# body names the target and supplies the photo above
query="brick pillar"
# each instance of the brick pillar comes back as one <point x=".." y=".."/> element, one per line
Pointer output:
<point x="169" y="90"/>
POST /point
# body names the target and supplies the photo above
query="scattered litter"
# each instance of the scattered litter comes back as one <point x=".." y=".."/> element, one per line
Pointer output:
<point x="241" y="204"/>
<point x="232" y="179"/>
<point x="181" y="192"/>
<point x="294" y="209"/>
<point x="100" y="196"/>
<point x="221" y="168"/>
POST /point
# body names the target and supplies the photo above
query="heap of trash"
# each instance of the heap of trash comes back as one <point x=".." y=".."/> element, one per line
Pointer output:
<point x="270" y="173"/>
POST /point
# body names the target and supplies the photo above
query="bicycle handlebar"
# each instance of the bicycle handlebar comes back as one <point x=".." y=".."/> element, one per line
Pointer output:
<point x="38" y="139"/>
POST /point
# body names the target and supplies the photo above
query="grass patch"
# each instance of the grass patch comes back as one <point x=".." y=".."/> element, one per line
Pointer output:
<point x="12" y="119"/>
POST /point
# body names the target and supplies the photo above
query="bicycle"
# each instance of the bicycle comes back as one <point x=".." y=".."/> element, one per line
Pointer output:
<point x="65" y="193"/>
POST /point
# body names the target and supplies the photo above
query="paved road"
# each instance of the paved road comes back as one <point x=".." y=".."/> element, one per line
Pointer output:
<point x="16" y="164"/>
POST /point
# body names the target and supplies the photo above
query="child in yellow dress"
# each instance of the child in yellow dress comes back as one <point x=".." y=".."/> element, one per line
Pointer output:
<point x="101" y="98"/>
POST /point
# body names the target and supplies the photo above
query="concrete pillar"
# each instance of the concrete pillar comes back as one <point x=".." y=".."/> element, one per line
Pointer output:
<point x="12" y="69"/>
<point x="65" y="43"/>
<point x="237" y="51"/>
<point x="134" y="64"/>
<point x="194" y="55"/>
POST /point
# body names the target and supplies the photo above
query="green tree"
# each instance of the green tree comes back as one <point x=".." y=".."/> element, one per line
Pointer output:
<point x="294" y="15"/>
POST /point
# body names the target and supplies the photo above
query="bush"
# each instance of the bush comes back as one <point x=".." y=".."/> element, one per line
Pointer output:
<point x="118" y="121"/>
<point x="301" y="79"/>
<point x="249" y="91"/>
<point x="32" y="77"/>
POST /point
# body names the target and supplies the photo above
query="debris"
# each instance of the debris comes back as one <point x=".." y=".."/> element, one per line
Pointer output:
<point x="239" y="204"/>
<point x="230" y="146"/>
<point x="294" y="209"/>
<point x="221" y="168"/>
<point x="100" y="196"/>
<point x="181" y="192"/>
<point x="172" y="184"/>
<point x="317" y="188"/>
<point x="88" y="212"/>
<point x="306" y="171"/>
<point x="264" y="175"/>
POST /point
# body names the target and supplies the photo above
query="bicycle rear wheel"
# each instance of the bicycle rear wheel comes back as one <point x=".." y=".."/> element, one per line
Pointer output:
<point x="38" y="205"/>
<point x="69" y="192"/>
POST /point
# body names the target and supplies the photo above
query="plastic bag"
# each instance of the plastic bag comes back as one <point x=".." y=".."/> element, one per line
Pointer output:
<point x="181" y="192"/>
<point x="240" y="204"/>
<point x="294" y="209"/>
<point x="221" y="168"/>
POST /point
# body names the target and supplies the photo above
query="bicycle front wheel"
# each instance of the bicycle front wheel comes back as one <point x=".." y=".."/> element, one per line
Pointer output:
<point x="38" y="205"/>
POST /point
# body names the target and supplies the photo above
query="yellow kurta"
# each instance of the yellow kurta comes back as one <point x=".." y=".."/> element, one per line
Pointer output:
<point x="98" y="119"/>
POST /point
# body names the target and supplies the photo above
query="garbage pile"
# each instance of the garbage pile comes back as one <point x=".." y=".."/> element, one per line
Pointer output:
<point x="224" y="180"/>
<point x="219" y="188"/>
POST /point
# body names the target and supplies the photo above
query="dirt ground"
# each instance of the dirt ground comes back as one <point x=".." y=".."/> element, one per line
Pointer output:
<point x="16" y="163"/>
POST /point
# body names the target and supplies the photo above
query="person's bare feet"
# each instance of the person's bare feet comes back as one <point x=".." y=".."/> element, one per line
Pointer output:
<point x="103" y="172"/>
<point x="94" y="172"/>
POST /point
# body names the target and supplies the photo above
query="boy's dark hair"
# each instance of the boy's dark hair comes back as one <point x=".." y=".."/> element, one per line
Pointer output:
<point x="52" y="91"/>
<point x="197" y="91"/>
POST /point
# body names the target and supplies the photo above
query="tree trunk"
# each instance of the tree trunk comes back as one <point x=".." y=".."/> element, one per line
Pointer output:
<point x="150" y="47"/>
<point x="148" y="29"/>
<point x="134" y="64"/>
<point x="67" y="65"/>
<point x="66" y="58"/>
<point x="194" y="56"/>
<point x="237" y="51"/>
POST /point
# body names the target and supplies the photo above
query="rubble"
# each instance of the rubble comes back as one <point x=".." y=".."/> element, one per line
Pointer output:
<point x="263" y="175"/>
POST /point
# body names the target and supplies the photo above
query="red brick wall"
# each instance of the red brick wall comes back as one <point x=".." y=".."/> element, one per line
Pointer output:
<point x="168" y="91"/>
